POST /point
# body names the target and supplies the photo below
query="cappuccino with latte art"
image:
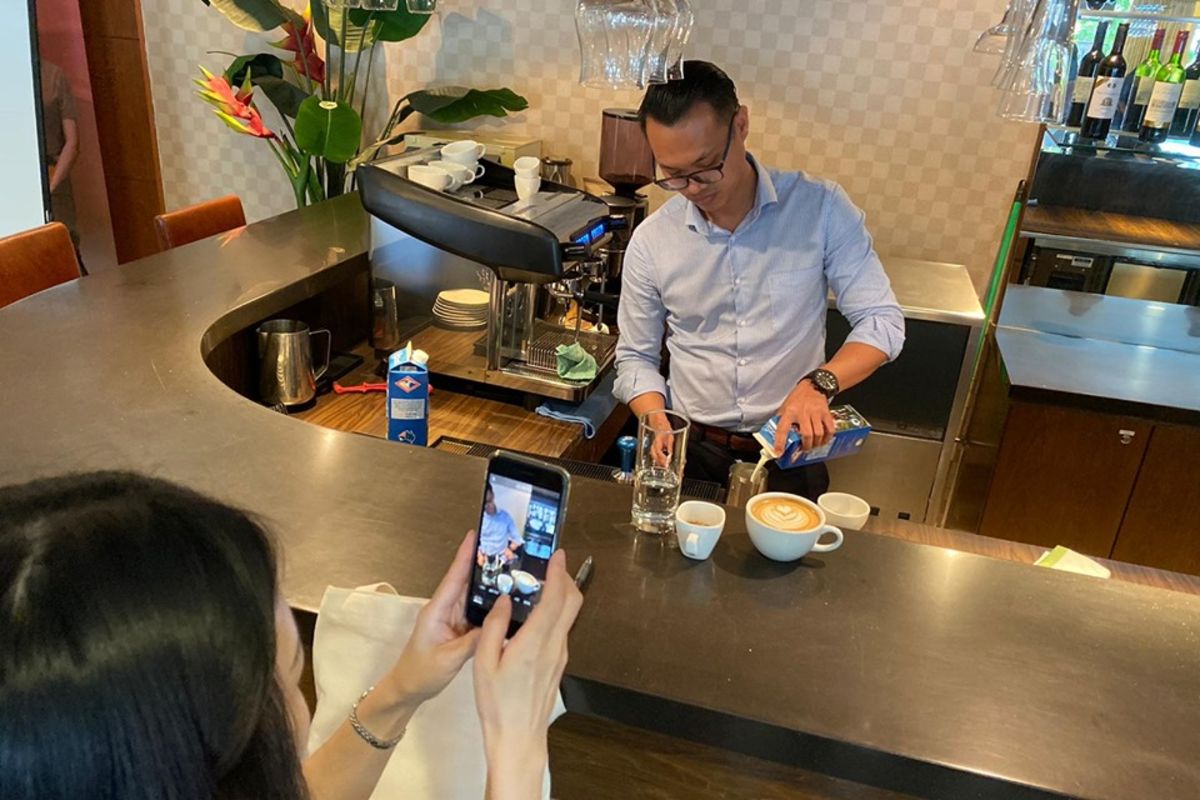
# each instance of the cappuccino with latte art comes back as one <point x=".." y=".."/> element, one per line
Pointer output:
<point x="785" y="514"/>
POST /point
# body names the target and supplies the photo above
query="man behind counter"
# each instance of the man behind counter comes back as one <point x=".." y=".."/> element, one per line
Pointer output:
<point x="736" y="269"/>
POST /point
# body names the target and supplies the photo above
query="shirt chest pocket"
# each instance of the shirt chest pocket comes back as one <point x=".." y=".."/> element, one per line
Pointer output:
<point x="789" y="291"/>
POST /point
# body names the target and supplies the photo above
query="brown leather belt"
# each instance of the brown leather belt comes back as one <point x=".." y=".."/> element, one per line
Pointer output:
<point x="741" y="442"/>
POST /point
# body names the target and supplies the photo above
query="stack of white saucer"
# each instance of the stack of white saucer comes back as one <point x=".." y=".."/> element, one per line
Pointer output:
<point x="461" y="309"/>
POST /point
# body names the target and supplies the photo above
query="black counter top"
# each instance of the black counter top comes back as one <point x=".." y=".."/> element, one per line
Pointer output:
<point x="925" y="670"/>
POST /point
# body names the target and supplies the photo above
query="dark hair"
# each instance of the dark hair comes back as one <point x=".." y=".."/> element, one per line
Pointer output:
<point x="702" y="82"/>
<point x="137" y="646"/>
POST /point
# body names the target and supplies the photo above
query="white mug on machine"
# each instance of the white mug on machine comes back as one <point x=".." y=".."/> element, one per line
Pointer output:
<point x="698" y="527"/>
<point x="527" y="186"/>
<point x="430" y="177"/>
<point x="466" y="152"/>
<point x="459" y="174"/>
<point x="529" y="166"/>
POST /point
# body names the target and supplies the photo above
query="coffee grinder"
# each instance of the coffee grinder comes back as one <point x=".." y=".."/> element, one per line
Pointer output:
<point x="627" y="164"/>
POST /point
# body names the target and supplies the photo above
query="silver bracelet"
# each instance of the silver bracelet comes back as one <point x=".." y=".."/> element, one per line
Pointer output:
<point x="366" y="735"/>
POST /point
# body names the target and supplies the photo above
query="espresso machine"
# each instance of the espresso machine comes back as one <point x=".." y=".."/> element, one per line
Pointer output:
<point x="549" y="246"/>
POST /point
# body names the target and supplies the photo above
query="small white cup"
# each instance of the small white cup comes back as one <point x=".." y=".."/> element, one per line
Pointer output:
<point x="698" y="527"/>
<point x="845" y="510"/>
<point x="459" y="174"/>
<point x="527" y="187"/>
<point x="431" y="177"/>
<point x="467" y="152"/>
<point x="528" y="165"/>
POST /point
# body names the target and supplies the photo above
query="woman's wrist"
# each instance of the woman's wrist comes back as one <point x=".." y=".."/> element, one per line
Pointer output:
<point x="388" y="708"/>
<point x="516" y="768"/>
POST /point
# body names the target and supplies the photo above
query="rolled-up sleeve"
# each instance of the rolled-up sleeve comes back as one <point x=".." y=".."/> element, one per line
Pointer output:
<point x="856" y="276"/>
<point x="640" y="317"/>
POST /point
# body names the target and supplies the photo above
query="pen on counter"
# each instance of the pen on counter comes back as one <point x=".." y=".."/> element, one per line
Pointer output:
<point x="585" y="572"/>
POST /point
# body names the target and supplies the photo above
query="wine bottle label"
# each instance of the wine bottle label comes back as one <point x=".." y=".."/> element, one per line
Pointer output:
<point x="1083" y="88"/>
<point x="1161" y="108"/>
<point x="1191" y="95"/>
<point x="1104" y="97"/>
<point x="1144" y="91"/>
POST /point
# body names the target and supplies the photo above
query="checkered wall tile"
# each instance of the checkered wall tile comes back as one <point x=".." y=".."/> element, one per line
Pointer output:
<point x="883" y="96"/>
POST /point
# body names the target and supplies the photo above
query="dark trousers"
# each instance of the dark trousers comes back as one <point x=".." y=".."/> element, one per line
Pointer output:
<point x="709" y="461"/>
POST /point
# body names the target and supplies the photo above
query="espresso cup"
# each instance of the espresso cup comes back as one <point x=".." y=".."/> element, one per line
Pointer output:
<point x="528" y="165"/>
<point x="467" y="152"/>
<point x="845" y="510"/>
<point x="458" y="173"/>
<point x="527" y="187"/>
<point x="431" y="177"/>
<point x="786" y="527"/>
<point x="698" y="526"/>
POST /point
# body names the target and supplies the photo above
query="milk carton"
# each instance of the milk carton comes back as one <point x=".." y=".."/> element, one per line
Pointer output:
<point x="408" y="396"/>
<point x="851" y="432"/>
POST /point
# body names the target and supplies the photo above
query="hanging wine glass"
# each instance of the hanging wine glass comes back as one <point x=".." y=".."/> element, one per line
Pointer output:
<point x="994" y="40"/>
<point x="685" y="18"/>
<point x="421" y="6"/>
<point x="658" y="46"/>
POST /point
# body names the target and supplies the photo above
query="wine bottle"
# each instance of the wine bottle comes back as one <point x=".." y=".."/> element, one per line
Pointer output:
<point x="1087" y="76"/>
<point x="1106" y="91"/>
<point x="1164" y="101"/>
<point x="1189" y="102"/>
<point x="1143" y="83"/>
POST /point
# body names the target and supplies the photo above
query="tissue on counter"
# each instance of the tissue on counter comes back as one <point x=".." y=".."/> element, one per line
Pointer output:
<point x="852" y="430"/>
<point x="408" y="396"/>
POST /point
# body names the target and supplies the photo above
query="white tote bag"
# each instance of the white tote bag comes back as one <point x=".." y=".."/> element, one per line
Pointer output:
<point x="359" y="635"/>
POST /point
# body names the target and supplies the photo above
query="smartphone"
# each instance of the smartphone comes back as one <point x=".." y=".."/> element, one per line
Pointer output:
<point x="521" y="514"/>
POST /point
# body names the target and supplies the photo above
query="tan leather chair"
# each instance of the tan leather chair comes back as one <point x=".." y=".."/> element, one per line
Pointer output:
<point x="34" y="260"/>
<point x="200" y="221"/>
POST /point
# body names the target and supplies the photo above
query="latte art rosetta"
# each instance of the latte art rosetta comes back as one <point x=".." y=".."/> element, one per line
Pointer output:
<point x="785" y="514"/>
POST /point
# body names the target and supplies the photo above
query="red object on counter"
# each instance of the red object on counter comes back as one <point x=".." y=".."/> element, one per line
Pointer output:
<point x="363" y="388"/>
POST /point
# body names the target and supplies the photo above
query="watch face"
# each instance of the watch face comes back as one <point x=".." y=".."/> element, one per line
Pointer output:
<point x="825" y="381"/>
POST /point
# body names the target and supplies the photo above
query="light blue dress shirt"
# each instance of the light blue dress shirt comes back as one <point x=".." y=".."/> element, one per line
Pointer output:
<point x="497" y="531"/>
<point x="744" y="312"/>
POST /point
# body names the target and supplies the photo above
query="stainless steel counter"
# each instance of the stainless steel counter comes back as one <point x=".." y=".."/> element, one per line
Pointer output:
<point x="898" y="665"/>
<point x="1093" y="345"/>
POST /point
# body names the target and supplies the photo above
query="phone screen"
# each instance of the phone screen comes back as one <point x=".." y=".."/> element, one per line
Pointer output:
<point x="518" y="532"/>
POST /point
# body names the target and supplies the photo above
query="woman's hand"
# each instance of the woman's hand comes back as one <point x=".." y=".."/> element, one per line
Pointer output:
<point x="516" y="685"/>
<point x="442" y="640"/>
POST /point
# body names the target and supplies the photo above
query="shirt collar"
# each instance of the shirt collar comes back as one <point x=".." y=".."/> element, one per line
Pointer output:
<point x="764" y="195"/>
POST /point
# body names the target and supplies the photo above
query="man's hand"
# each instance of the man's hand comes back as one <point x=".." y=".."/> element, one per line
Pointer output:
<point x="807" y="410"/>
<point x="664" y="440"/>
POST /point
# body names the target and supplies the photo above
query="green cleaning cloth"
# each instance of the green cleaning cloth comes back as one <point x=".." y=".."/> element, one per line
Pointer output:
<point x="575" y="363"/>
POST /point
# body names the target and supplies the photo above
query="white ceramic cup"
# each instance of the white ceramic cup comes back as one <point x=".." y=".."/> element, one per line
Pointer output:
<point x="431" y="177"/>
<point x="467" y="152"/>
<point x="788" y="545"/>
<point x="528" y="165"/>
<point x="845" y="510"/>
<point x="698" y="527"/>
<point x="527" y="187"/>
<point x="459" y="173"/>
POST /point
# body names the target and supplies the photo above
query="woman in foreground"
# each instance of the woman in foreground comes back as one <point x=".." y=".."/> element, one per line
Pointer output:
<point x="145" y="652"/>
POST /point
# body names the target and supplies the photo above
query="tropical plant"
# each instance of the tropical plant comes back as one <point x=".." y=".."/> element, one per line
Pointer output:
<point x="321" y="139"/>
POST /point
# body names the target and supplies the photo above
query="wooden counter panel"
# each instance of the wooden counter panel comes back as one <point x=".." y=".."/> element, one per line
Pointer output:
<point x="1084" y="224"/>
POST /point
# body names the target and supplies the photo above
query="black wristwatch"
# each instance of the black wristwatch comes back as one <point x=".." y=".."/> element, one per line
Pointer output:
<point x="825" y="381"/>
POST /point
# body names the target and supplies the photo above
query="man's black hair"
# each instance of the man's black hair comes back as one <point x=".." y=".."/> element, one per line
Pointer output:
<point x="702" y="82"/>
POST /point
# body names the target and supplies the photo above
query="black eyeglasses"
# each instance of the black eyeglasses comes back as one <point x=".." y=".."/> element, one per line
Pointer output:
<point x="703" y="177"/>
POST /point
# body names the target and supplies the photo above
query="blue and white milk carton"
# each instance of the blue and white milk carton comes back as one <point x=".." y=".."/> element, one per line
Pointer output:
<point x="408" y="396"/>
<point x="851" y="433"/>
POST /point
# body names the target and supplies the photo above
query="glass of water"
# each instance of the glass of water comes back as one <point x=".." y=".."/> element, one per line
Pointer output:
<point x="661" y="452"/>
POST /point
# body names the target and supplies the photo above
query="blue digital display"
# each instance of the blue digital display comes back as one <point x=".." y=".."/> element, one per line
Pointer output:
<point x="584" y="239"/>
<point x="598" y="231"/>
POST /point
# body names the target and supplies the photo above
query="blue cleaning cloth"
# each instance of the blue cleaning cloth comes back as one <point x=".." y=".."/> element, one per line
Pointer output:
<point x="591" y="413"/>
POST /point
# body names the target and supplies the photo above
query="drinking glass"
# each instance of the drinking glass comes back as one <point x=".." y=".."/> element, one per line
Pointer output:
<point x="614" y="42"/>
<point x="661" y="452"/>
<point x="343" y="3"/>
<point x="381" y="5"/>
<point x="658" y="46"/>
<point x="994" y="40"/>
<point x="684" y="20"/>
<point x="421" y="6"/>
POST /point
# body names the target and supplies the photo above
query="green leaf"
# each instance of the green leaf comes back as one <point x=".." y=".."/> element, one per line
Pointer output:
<point x="253" y="15"/>
<point x="259" y="65"/>
<point x="453" y="104"/>
<point x="393" y="26"/>
<point x="328" y="24"/>
<point x="328" y="130"/>
<point x="286" y="96"/>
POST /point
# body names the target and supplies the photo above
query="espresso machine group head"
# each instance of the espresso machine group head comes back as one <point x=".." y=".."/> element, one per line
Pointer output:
<point x="554" y="240"/>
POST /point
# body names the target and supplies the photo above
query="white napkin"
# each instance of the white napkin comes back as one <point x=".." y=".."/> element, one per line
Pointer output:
<point x="359" y="635"/>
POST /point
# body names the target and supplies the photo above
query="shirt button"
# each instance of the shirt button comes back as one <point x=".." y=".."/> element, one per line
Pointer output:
<point x="741" y="323"/>
<point x="741" y="401"/>
<point x="742" y="362"/>
<point x="737" y="281"/>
